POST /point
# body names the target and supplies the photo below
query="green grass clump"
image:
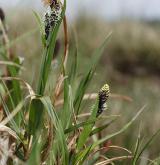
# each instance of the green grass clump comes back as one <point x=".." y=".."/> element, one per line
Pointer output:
<point x="49" y="123"/>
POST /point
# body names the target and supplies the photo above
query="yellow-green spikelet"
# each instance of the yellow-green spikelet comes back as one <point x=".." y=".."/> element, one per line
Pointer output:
<point x="105" y="88"/>
<point x="103" y="97"/>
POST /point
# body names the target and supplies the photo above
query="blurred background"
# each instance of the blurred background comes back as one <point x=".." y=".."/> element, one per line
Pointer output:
<point x="130" y="62"/>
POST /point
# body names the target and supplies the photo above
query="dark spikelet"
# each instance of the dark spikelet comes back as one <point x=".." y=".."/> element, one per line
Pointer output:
<point x="55" y="4"/>
<point x="103" y="97"/>
<point x="47" y="25"/>
<point x="52" y="17"/>
<point x="2" y="15"/>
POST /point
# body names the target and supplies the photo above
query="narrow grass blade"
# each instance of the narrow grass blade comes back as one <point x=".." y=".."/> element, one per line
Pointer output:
<point x="41" y="26"/>
<point x="67" y="106"/>
<point x="59" y="132"/>
<point x="125" y="127"/>
<point x="36" y="107"/>
<point x="48" y="54"/>
<point x="136" y="147"/>
<point x="11" y="115"/>
<point x="73" y="69"/>
<point x="81" y="90"/>
<point x="145" y="146"/>
<point x="99" y="129"/>
<point x="88" y="76"/>
<point x="12" y="122"/>
<point x="9" y="63"/>
<point x="35" y="154"/>
<point x="81" y="155"/>
<point x="75" y="127"/>
<point x="35" y="115"/>
<point x="88" y="128"/>
<point x="15" y="88"/>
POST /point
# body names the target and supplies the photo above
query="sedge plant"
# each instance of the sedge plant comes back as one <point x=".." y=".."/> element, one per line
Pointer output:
<point x="54" y="128"/>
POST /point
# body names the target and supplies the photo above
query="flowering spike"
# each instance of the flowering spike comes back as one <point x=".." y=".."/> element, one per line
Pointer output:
<point x="52" y="16"/>
<point x="103" y="97"/>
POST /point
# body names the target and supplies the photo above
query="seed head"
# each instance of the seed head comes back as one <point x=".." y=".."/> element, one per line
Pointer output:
<point x="103" y="97"/>
<point x="52" y="16"/>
